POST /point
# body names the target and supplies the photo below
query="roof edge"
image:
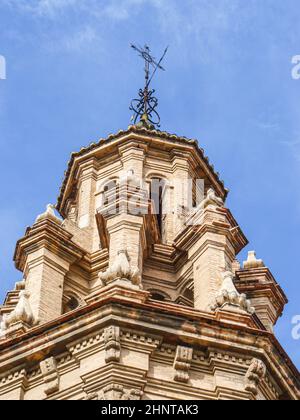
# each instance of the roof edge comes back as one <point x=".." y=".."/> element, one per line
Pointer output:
<point x="141" y="131"/>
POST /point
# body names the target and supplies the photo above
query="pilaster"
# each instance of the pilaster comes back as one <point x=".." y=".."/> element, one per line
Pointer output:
<point x="45" y="255"/>
<point x="212" y="241"/>
<point x="132" y="155"/>
<point x="258" y="283"/>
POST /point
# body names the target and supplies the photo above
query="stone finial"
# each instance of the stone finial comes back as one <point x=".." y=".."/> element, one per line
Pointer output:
<point x="121" y="270"/>
<point x="20" y="285"/>
<point x="255" y="374"/>
<point x="212" y="199"/>
<point x="50" y="375"/>
<point x="49" y="214"/>
<point x="229" y="297"/>
<point x="252" y="261"/>
<point x="21" y="313"/>
<point x="182" y="363"/>
<point x="112" y="344"/>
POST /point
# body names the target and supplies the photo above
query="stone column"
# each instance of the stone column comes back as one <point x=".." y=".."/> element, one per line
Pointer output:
<point x="133" y="157"/>
<point x="126" y="232"/>
<point x="86" y="210"/>
<point x="45" y="273"/>
<point x="45" y="255"/>
<point x="125" y="226"/>
<point x="258" y="283"/>
<point x="208" y="267"/>
<point x="212" y="243"/>
<point x="181" y="176"/>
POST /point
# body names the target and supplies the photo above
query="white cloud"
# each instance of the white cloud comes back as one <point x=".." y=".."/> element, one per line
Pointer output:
<point x="122" y="9"/>
<point x="80" y="39"/>
<point x="37" y="7"/>
<point x="46" y="8"/>
<point x="51" y="9"/>
<point x="200" y="22"/>
<point x="266" y="123"/>
<point x="90" y="19"/>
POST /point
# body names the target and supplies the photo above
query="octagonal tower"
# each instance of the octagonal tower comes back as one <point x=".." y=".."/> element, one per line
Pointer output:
<point x="131" y="292"/>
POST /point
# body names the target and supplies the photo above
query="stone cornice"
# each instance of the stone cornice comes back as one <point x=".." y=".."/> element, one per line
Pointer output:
<point x="229" y="230"/>
<point x="176" y="324"/>
<point x="259" y="282"/>
<point x="49" y="235"/>
<point x="260" y="279"/>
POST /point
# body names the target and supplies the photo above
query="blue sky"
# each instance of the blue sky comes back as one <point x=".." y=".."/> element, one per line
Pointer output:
<point x="71" y="76"/>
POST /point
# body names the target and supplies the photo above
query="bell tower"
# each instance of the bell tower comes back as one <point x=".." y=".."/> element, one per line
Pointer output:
<point x="131" y="288"/>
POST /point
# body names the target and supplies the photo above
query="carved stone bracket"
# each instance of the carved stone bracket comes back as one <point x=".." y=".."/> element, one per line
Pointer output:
<point x="115" y="392"/>
<point x="112" y="344"/>
<point x="229" y="298"/>
<point x="121" y="269"/>
<point x="182" y="363"/>
<point x="50" y="375"/>
<point x="255" y="374"/>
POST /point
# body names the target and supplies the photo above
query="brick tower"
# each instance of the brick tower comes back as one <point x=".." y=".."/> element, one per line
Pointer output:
<point x="120" y="299"/>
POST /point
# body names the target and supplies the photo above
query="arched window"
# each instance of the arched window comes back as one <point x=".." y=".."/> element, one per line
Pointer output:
<point x="186" y="294"/>
<point x="160" y="296"/>
<point x="157" y="191"/>
<point x="71" y="303"/>
<point x="197" y="191"/>
<point x="189" y="294"/>
<point x="194" y="193"/>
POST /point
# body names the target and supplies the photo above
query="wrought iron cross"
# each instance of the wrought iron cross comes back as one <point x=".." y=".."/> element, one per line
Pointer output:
<point x="145" y="106"/>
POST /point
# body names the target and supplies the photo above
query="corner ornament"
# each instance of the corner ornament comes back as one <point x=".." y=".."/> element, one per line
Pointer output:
<point x="49" y="214"/>
<point x="212" y="199"/>
<point x="121" y="270"/>
<point x="21" y="314"/>
<point x="229" y="298"/>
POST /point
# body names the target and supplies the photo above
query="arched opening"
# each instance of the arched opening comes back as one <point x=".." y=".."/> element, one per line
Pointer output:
<point x="197" y="192"/>
<point x="189" y="294"/>
<point x="186" y="294"/>
<point x="194" y="193"/>
<point x="159" y="296"/>
<point x="71" y="303"/>
<point x="157" y="191"/>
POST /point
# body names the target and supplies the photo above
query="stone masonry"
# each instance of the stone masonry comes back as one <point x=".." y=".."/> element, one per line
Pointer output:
<point x="120" y="302"/>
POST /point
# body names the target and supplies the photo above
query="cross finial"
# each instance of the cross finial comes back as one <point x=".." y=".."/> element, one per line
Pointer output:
<point x="145" y="107"/>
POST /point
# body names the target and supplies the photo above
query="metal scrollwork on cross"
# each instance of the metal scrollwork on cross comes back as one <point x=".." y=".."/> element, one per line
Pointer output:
<point x="144" y="108"/>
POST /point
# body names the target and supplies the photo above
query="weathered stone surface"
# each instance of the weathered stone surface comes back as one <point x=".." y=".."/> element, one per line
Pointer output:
<point x="50" y="374"/>
<point x="131" y="305"/>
